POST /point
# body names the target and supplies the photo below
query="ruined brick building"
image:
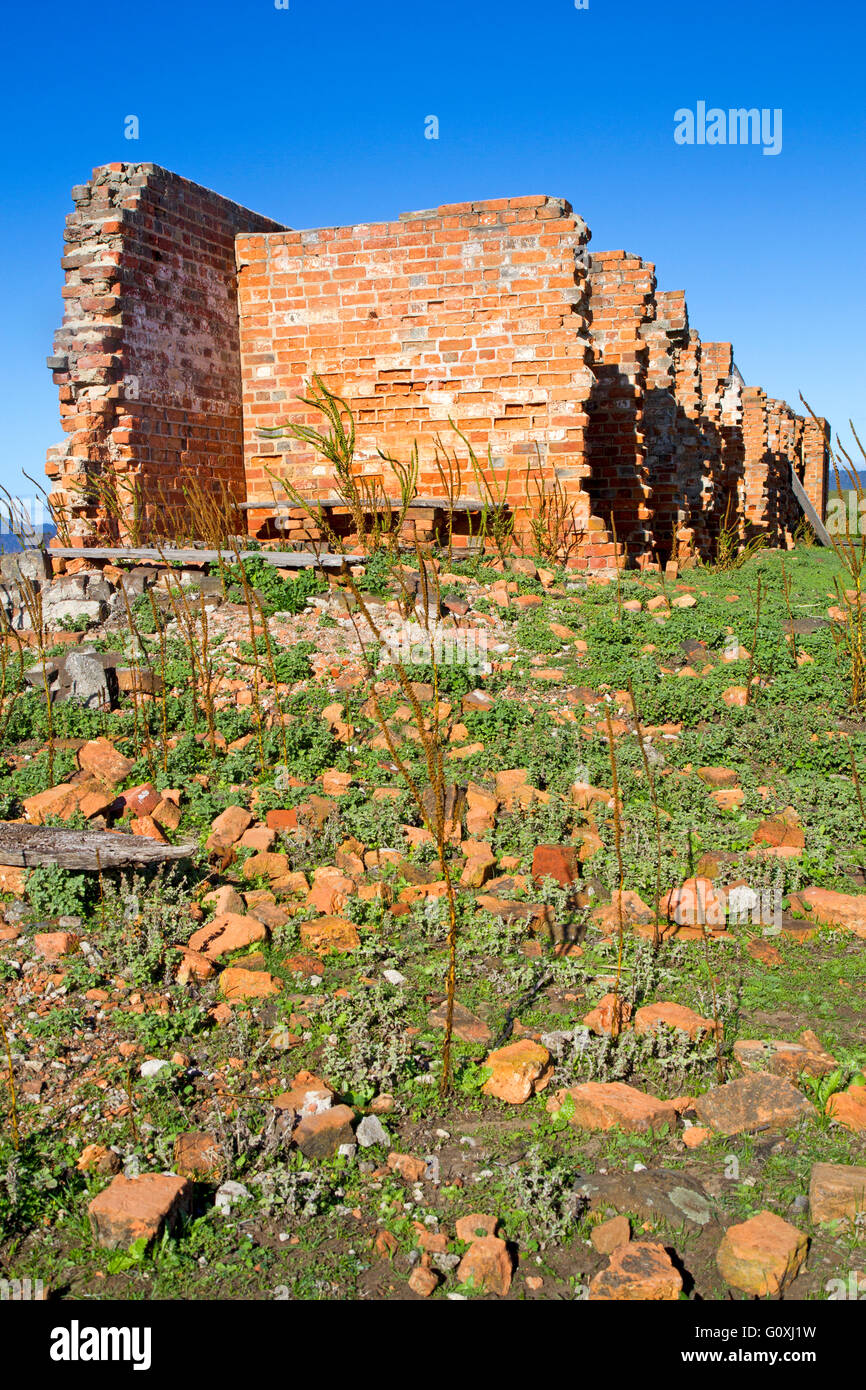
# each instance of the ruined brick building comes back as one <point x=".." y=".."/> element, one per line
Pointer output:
<point x="192" y="323"/>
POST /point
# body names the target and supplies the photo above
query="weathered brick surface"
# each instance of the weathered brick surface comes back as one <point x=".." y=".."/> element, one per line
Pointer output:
<point x="621" y="302"/>
<point x="150" y="386"/>
<point x="192" y="323"/>
<point x="474" y="313"/>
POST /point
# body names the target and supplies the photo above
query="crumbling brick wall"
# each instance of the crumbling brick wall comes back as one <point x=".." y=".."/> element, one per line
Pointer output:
<point x="733" y="467"/>
<point x="192" y="323"/>
<point x="148" y="357"/>
<point x="663" y="429"/>
<point x="665" y="333"/>
<point x="816" y="462"/>
<point x="621" y="302"/>
<point x="474" y="313"/>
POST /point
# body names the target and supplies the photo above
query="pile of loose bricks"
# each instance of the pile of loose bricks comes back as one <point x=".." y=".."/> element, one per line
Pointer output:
<point x="192" y="325"/>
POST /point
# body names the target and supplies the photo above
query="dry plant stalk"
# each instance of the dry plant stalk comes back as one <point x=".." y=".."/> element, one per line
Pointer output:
<point x="373" y="514"/>
<point x="31" y="595"/>
<point x="121" y="497"/>
<point x="8" y="699"/>
<point x="721" y="1069"/>
<point x="10" y="1081"/>
<point x="131" y="1103"/>
<point x="617" y="1018"/>
<point x="856" y="779"/>
<point x="616" y="566"/>
<point x="851" y="553"/>
<point x="257" y="675"/>
<point x="553" y="523"/>
<point x="651" y="781"/>
<point x="430" y="739"/>
<point x="216" y="512"/>
<point x="209" y="516"/>
<point x="272" y="671"/>
<point x="786" y="589"/>
<point x="451" y="478"/>
<point x="497" y="521"/>
<point x="137" y="684"/>
<point x="252" y="603"/>
<point x="700" y="915"/>
<point x="55" y="509"/>
<point x="754" y="642"/>
<point x="158" y="625"/>
<point x="198" y="650"/>
<point x="101" y="889"/>
<point x="732" y="551"/>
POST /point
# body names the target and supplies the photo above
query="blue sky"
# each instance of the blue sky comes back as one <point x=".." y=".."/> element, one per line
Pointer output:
<point x="315" y="115"/>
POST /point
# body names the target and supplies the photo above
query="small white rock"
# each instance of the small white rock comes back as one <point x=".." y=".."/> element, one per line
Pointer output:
<point x="153" y="1067"/>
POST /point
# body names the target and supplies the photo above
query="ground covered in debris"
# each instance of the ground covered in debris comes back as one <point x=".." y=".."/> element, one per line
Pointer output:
<point x="224" y="1071"/>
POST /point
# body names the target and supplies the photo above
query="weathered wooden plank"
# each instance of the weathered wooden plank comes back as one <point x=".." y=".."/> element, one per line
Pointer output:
<point x="811" y="514"/>
<point x="27" y="846"/>
<point x="282" y="559"/>
<point x="461" y="504"/>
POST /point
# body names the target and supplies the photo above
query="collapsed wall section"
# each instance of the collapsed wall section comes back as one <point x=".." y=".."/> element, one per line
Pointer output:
<point x="148" y="357"/>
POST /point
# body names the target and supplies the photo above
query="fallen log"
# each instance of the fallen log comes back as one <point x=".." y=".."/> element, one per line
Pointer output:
<point x="29" y="846"/>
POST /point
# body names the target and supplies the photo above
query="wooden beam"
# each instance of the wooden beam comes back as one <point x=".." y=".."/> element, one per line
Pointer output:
<point x="461" y="504"/>
<point x="28" y="846"/>
<point x="282" y="559"/>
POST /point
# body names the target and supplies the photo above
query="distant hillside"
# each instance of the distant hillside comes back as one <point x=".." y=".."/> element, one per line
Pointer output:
<point x="845" y="479"/>
<point x="9" y="542"/>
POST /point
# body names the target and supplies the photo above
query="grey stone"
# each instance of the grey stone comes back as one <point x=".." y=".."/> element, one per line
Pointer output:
<point x="54" y="613"/>
<point x="371" y="1131"/>
<point x="99" y="590"/>
<point x="674" y="1196"/>
<point x="88" y="679"/>
<point x="26" y="564"/>
<point x="139" y="579"/>
<point x="36" y="677"/>
<point x="70" y="586"/>
<point x="444" y="1262"/>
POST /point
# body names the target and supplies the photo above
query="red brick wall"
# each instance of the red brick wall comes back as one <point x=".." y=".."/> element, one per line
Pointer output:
<point x="784" y="443"/>
<point x="475" y="312"/>
<point x="816" y="459"/>
<point x="774" y="439"/>
<point x="665" y="333"/>
<point x="622" y="289"/>
<point x="191" y="323"/>
<point x="756" y="458"/>
<point x="150" y="384"/>
<point x="717" y="365"/>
